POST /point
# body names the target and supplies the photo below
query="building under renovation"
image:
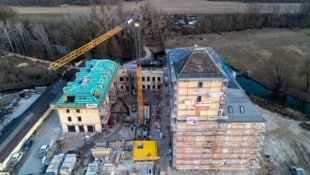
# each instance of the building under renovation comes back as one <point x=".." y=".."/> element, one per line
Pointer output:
<point x="152" y="78"/>
<point x="86" y="102"/>
<point x="214" y="125"/>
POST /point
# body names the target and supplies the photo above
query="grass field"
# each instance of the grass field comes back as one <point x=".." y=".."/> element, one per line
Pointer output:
<point x="167" y="6"/>
<point x="251" y="50"/>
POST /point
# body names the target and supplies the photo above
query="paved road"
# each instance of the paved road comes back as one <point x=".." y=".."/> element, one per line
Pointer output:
<point x="148" y="56"/>
<point x="21" y="125"/>
<point x="49" y="131"/>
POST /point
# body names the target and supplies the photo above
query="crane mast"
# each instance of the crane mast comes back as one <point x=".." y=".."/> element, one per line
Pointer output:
<point x="139" y="75"/>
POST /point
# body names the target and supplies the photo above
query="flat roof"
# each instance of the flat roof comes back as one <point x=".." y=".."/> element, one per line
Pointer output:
<point x="90" y="85"/>
<point x="55" y="163"/>
<point x="144" y="150"/>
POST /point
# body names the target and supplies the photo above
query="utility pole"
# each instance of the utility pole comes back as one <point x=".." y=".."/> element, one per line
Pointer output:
<point x="137" y="42"/>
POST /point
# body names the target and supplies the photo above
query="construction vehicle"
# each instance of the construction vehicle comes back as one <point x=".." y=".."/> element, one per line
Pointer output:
<point x="93" y="43"/>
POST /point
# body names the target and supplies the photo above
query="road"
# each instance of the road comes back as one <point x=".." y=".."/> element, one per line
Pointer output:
<point x="49" y="131"/>
<point x="18" y="127"/>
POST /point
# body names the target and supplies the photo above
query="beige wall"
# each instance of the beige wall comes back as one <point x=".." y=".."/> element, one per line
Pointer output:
<point x="88" y="117"/>
<point x="207" y="144"/>
<point x="83" y="118"/>
<point x="153" y="79"/>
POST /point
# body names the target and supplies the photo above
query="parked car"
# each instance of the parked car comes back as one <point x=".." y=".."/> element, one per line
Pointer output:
<point x="43" y="150"/>
<point x="16" y="157"/>
<point x="297" y="170"/>
<point x="27" y="144"/>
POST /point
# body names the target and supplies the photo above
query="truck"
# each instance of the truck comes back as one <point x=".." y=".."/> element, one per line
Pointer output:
<point x="68" y="165"/>
<point x="43" y="150"/>
<point x="53" y="167"/>
<point x="16" y="157"/>
<point x="296" y="170"/>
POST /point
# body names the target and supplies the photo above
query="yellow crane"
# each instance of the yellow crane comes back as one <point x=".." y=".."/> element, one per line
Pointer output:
<point x="93" y="43"/>
<point x="90" y="45"/>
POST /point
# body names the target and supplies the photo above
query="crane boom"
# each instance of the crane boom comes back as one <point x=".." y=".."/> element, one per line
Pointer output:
<point x="90" y="45"/>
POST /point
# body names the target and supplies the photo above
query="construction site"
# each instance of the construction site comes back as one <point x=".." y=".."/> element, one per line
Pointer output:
<point x="188" y="114"/>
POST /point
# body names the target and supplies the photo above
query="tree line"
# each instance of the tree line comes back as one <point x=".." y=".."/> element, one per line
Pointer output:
<point x="50" y="40"/>
<point x="265" y="1"/>
<point x="252" y="18"/>
<point x="52" y="3"/>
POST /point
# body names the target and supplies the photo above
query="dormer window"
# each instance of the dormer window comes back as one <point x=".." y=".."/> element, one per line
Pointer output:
<point x="242" y="109"/>
<point x="230" y="109"/>
<point x="70" y="99"/>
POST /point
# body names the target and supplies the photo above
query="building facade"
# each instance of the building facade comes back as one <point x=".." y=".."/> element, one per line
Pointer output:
<point x="152" y="79"/>
<point x="86" y="102"/>
<point x="214" y="125"/>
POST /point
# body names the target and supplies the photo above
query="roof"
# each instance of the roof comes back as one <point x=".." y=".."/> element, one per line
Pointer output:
<point x="192" y="62"/>
<point x="90" y="85"/>
<point x="55" y="163"/>
<point x="144" y="150"/>
<point x="205" y="62"/>
<point x="92" y="169"/>
<point x="69" y="161"/>
<point x="239" y="108"/>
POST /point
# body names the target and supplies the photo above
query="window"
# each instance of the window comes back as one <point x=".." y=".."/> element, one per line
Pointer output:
<point x="69" y="119"/>
<point x="90" y="128"/>
<point x="198" y="98"/>
<point x="71" y="128"/>
<point x="79" y="118"/>
<point x="70" y="98"/>
<point x="81" y="128"/>
<point x="230" y="109"/>
<point x="148" y="87"/>
<point x="143" y="86"/>
<point x="200" y="84"/>
<point x="140" y="146"/>
<point x="153" y="78"/>
<point x="127" y="78"/>
<point x="154" y="87"/>
<point x="242" y="110"/>
<point x="143" y="79"/>
<point x="78" y="110"/>
<point x="148" y="78"/>
<point x="158" y="86"/>
<point x="121" y="79"/>
<point x="67" y="110"/>
<point x="127" y="88"/>
<point x="121" y="87"/>
<point x="158" y="79"/>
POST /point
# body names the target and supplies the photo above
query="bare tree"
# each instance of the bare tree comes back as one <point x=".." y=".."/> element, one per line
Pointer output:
<point x="40" y="34"/>
<point x="305" y="7"/>
<point x="20" y="31"/>
<point x="252" y="11"/>
<point x="6" y="13"/>
<point x="7" y="32"/>
<point x="280" y="70"/>
<point x="305" y="72"/>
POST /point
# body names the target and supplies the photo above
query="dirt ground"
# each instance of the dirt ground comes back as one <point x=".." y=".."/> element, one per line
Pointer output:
<point x="285" y="144"/>
<point x="167" y="6"/>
